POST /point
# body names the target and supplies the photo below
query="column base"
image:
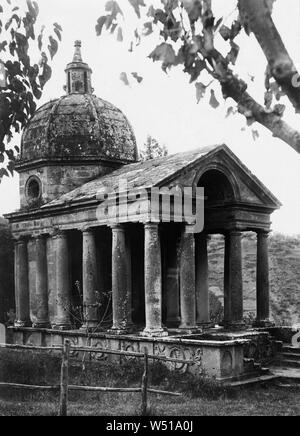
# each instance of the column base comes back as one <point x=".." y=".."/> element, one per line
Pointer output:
<point x="234" y="325"/>
<point x="173" y="322"/>
<point x="205" y="325"/>
<point x="263" y="323"/>
<point x="42" y="325"/>
<point x="152" y="333"/>
<point x="91" y="327"/>
<point x="119" y="331"/>
<point x="189" y="330"/>
<point x="62" y="327"/>
<point x="22" y="324"/>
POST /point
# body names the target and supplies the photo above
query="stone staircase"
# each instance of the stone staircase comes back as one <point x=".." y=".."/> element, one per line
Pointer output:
<point x="290" y="357"/>
<point x="254" y="374"/>
<point x="287" y="366"/>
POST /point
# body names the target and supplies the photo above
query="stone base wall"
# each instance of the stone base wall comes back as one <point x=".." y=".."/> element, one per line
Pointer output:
<point x="214" y="359"/>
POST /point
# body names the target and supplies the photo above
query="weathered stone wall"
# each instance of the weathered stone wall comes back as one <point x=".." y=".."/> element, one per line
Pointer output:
<point x="218" y="359"/>
<point x="58" y="180"/>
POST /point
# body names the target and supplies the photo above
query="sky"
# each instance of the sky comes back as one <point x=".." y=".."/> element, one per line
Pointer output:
<point x="164" y="105"/>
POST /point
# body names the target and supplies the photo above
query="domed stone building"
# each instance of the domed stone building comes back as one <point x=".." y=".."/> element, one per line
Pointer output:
<point x="72" y="139"/>
<point x="112" y="252"/>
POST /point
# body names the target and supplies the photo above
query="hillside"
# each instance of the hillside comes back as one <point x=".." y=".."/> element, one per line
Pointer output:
<point x="284" y="275"/>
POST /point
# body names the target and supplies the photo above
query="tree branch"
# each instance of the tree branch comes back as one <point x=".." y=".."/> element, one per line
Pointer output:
<point x="282" y="68"/>
<point x="236" y="89"/>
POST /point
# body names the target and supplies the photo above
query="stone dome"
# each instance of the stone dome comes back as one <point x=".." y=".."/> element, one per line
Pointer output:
<point x="79" y="125"/>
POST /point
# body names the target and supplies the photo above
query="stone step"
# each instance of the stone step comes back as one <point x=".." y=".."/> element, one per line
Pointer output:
<point x="288" y="384"/>
<point x="287" y="376"/>
<point x="265" y="371"/>
<point x="290" y="349"/>
<point x="252" y="381"/>
<point x="291" y="356"/>
<point x="287" y="363"/>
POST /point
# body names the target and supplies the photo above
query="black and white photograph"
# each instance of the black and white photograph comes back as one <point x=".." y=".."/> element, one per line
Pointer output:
<point x="149" y="211"/>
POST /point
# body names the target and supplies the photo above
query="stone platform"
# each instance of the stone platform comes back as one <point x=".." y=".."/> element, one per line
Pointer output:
<point x="216" y="354"/>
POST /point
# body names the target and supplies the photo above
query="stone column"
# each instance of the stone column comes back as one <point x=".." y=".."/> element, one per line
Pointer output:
<point x="233" y="281"/>
<point x="42" y="283"/>
<point x="262" y="280"/>
<point x="89" y="280"/>
<point x="120" y="298"/>
<point x="172" y="296"/>
<point x="62" y="273"/>
<point x="153" y="282"/>
<point x="22" y="284"/>
<point x="187" y="281"/>
<point x="227" y="293"/>
<point x="128" y="245"/>
<point x="202" y="286"/>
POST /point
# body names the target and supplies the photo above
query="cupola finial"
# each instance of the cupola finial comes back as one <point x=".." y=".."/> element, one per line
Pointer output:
<point x="77" y="55"/>
<point x="78" y="74"/>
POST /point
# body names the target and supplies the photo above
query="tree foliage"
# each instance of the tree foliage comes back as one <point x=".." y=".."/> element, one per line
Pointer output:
<point x="192" y="36"/>
<point x="21" y="79"/>
<point x="152" y="149"/>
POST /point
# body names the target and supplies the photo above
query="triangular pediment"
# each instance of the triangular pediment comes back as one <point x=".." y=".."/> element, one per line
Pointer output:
<point x="248" y="188"/>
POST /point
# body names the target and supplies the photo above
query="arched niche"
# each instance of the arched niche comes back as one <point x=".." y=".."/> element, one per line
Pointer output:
<point x="220" y="186"/>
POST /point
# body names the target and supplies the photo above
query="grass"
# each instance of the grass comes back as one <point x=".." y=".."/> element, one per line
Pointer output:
<point x="200" y="396"/>
<point x="267" y="401"/>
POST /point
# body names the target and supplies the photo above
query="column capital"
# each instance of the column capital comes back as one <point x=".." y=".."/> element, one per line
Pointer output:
<point x="264" y="233"/>
<point x="59" y="234"/>
<point x="41" y="236"/>
<point x="19" y="240"/>
<point x="203" y="235"/>
<point x="87" y="230"/>
<point x="234" y="232"/>
<point x="117" y="227"/>
<point x="151" y="225"/>
<point x="189" y="229"/>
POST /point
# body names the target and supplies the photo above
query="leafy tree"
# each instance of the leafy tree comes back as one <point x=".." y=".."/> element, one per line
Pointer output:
<point x="188" y="33"/>
<point x="21" y="80"/>
<point x="152" y="149"/>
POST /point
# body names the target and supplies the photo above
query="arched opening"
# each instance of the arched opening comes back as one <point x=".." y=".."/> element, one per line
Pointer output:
<point x="217" y="188"/>
<point x="33" y="189"/>
<point x="220" y="193"/>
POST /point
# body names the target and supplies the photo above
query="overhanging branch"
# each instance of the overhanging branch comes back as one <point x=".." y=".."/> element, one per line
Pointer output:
<point x="281" y="66"/>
